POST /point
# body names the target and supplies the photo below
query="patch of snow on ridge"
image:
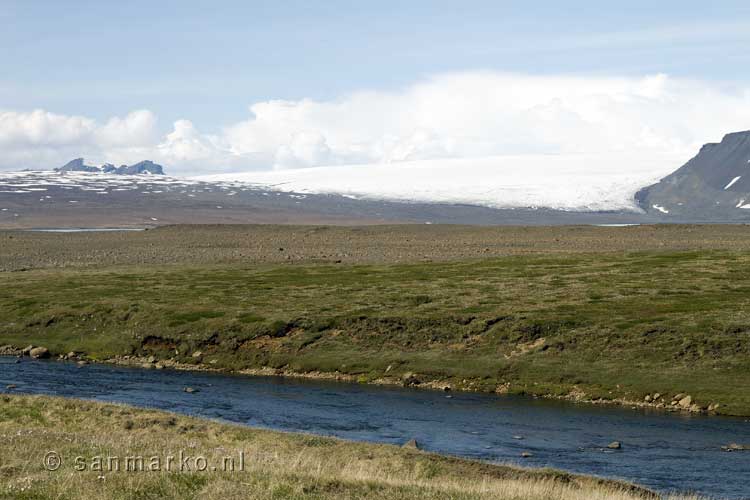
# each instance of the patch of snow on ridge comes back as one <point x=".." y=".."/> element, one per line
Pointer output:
<point x="573" y="182"/>
<point x="731" y="183"/>
<point x="41" y="180"/>
<point x="660" y="209"/>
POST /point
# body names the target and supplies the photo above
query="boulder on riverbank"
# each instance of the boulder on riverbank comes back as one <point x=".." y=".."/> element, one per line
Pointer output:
<point x="39" y="352"/>
<point x="685" y="402"/>
<point x="410" y="379"/>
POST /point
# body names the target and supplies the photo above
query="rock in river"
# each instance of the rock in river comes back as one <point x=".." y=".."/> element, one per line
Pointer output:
<point x="736" y="447"/>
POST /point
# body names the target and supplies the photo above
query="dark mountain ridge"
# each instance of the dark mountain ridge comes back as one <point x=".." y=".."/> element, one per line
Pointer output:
<point x="142" y="167"/>
<point x="713" y="186"/>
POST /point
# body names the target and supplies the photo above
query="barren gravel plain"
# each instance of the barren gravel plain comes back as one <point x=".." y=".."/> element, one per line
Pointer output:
<point x="253" y="244"/>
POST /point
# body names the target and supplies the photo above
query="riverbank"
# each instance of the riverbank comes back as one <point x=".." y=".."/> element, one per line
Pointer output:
<point x="642" y="316"/>
<point x="676" y="403"/>
<point x="250" y="462"/>
<point x="656" y="402"/>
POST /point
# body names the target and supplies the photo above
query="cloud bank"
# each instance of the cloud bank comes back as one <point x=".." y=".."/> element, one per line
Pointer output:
<point x="464" y="116"/>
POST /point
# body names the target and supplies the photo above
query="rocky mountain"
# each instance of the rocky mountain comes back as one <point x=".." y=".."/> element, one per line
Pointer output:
<point x="78" y="165"/>
<point x="143" y="167"/>
<point x="714" y="186"/>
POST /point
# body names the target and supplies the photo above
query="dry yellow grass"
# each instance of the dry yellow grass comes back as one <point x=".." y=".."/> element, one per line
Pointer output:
<point x="276" y="465"/>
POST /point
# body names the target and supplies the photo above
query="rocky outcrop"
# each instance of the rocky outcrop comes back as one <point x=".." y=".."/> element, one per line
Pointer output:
<point x="77" y="165"/>
<point x="146" y="167"/>
<point x="142" y="167"/>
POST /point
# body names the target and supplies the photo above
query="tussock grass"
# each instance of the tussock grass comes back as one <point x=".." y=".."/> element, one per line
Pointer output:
<point x="277" y="465"/>
<point x="602" y="326"/>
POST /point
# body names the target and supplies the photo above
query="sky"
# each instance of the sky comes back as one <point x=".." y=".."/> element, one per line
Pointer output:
<point x="227" y="86"/>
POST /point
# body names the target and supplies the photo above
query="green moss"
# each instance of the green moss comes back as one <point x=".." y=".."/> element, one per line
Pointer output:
<point x="250" y="318"/>
<point x="192" y="316"/>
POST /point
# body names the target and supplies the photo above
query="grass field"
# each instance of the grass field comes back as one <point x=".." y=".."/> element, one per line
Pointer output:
<point x="557" y="318"/>
<point x="131" y="461"/>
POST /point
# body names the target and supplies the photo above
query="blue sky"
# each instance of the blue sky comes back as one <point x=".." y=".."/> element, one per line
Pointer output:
<point x="242" y="85"/>
<point x="215" y="58"/>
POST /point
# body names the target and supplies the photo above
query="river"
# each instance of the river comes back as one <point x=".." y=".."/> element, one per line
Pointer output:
<point x="664" y="451"/>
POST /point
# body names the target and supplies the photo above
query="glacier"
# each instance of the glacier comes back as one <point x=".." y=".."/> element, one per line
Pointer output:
<point x="570" y="182"/>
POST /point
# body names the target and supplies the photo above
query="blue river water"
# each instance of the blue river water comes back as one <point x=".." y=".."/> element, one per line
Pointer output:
<point x="666" y="452"/>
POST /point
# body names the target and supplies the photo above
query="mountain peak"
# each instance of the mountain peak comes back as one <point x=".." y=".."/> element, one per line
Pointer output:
<point x="77" y="165"/>
<point x="142" y="167"/>
<point x="714" y="185"/>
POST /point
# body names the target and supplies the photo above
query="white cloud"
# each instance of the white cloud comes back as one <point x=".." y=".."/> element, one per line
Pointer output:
<point x="137" y="129"/>
<point x="40" y="139"/>
<point x="187" y="149"/>
<point x="474" y="115"/>
<point x="303" y="149"/>
<point x="469" y="115"/>
<point x="43" y="129"/>
<point x="185" y="143"/>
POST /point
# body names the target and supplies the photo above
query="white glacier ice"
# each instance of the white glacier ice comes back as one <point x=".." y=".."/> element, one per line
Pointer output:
<point x="575" y="182"/>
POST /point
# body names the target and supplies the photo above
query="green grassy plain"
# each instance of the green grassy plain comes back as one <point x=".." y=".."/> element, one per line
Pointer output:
<point x="607" y="325"/>
<point x="274" y="465"/>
